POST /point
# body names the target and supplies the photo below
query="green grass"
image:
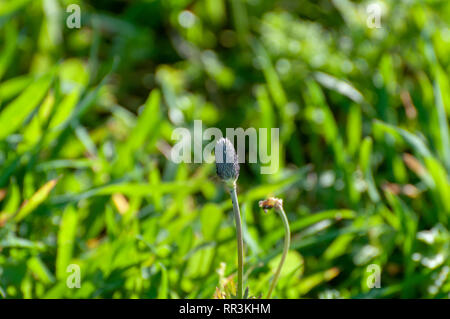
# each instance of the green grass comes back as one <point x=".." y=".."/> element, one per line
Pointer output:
<point x="86" y="118"/>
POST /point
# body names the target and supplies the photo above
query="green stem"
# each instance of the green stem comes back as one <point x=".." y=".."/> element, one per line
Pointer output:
<point x="240" y="243"/>
<point x="287" y="242"/>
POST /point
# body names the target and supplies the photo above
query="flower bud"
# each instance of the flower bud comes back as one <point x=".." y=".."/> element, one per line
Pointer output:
<point x="227" y="166"/>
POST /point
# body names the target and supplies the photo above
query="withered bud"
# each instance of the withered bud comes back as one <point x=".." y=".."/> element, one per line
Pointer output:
<point x="270" y="203"/>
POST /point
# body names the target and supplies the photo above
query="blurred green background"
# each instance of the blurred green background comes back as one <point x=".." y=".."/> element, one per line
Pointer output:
<point x="86" y="117"/>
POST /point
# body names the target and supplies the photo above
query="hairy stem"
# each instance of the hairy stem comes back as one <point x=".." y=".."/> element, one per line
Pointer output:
<point x="240" y="243"/>
<point x="287" y="242"/>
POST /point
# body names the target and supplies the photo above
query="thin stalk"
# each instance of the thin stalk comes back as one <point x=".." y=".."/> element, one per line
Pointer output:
<point x="240" y="243"/>
<point x="287" y="242"/>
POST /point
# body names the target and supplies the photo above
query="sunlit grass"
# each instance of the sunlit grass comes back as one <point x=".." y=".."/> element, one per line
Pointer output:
<point x="87" y="115"/>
